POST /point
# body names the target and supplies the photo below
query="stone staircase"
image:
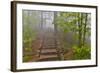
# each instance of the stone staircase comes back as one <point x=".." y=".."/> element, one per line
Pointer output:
<point x="48" y="51"/>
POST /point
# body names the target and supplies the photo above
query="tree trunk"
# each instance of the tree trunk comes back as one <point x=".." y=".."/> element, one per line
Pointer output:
<point x="84" y="32"/>
<point x="80" y="29"/>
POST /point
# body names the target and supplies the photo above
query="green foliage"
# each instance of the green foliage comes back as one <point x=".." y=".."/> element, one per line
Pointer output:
<point x="29" y="33"/>
<point x="27" y="58"/>
<point x="82" y="53"/>
<point x="77" y="23"/>
<point x="28" y="36"/>
<point x="66" y="21"/>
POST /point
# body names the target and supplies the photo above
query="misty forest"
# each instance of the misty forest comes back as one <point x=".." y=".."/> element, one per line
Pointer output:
<point x="56" y="36"/>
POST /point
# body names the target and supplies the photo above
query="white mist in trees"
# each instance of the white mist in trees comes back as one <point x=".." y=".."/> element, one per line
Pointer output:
<point x="77" y="23"/>
<point x="76" y="28"/>
<point x="31" y="23"/>
<point x="70" y="29"/>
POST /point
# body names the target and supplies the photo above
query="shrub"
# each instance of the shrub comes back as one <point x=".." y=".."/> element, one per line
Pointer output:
<point x="82" y="53"/>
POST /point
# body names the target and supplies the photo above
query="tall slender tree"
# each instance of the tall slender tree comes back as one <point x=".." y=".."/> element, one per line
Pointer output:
<point x="85" y="26"/>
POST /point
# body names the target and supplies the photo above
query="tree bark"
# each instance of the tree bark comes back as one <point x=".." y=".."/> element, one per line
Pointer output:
<point x="80" y="29"/>
<point x="84" y="32"/>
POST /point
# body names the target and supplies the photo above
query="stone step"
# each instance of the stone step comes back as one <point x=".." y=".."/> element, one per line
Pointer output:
<point x="48" y="47"/>
<point x="48" y="57"/>
<point x="49" y="43"/>
<point x="48" y="50"/>
<point x="49" y="53"/>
